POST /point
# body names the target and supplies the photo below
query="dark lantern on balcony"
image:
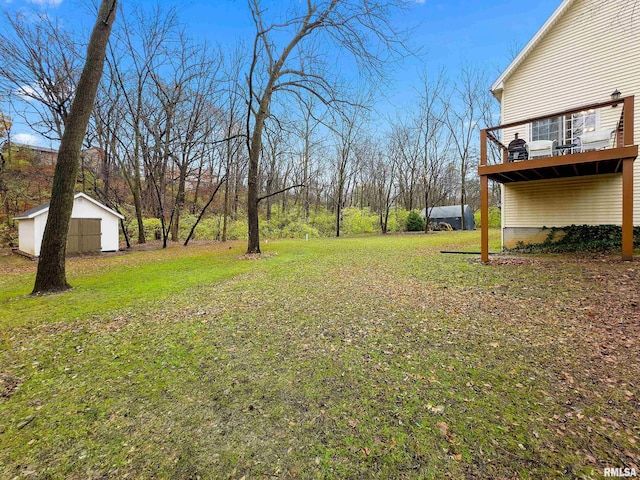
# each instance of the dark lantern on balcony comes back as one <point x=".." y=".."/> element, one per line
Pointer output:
<point x="615" y="96"/>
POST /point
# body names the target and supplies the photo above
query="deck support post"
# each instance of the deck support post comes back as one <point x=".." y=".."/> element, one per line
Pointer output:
<point x="627" y="209"/>
<point x="484" y="218"/>
<point x="484" y="201"/>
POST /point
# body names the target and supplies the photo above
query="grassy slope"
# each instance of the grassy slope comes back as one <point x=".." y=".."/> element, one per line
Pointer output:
<point x="352" y="358"/>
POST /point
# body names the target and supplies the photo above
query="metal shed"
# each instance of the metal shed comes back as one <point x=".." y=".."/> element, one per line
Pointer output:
<point x="452" y="214"/>
<point x="93" y="227"/>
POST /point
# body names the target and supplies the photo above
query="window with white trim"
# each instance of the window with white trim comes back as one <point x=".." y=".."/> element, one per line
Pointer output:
<point x="579" y="123"/>
<point x="564" y="130"/>
<point x="547" y="129"/>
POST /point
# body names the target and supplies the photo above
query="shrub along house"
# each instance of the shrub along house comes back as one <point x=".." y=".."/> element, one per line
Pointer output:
<point x="572" y="160"/>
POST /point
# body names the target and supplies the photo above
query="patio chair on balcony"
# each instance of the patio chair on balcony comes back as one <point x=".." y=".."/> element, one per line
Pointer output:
<point x="541" y="148"/>
<point x="596" y="140"/>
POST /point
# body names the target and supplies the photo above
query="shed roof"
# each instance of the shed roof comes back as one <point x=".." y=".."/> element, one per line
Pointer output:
<point x="449" y="211"/>
<point x="26" y="146"/>
<point x="498" y="85"/>
<point x="40" y="209"/>
<point x="32" y="212"/>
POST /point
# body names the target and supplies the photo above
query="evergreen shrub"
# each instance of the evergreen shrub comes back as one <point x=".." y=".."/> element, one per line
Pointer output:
<point x="415" y="222"/>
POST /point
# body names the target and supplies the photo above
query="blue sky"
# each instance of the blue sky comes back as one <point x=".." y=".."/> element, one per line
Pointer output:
<point x="448" y="33"/>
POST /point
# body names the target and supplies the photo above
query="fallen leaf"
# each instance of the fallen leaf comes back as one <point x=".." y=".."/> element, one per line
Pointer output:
<point x="443" y="427"/>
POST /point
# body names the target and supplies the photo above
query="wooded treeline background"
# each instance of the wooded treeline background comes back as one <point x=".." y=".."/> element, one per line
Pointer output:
<point x="168" y="139"/>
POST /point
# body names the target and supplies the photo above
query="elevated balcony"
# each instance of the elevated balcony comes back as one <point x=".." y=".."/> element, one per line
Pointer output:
<point x="568" y="156"/>
<point x="592" y="139"/>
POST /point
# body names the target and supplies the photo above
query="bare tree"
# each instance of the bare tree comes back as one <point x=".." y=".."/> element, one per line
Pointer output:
<point x="5" y="131"/>
<point x="407" y="150"/>
<point x="360" y="27"/>
<point x="462" y="120"/>
<point x="51" y="275"/>
<point x="380" y="168"/>
<point x="191" y="114"/>
<point x="137" y="49"/>
<point x="347" y="132"/>
<point x="231" y="150"/>
<point x="272" y="151"/>
<point x="434" y="140"/>
<point x="40" y="61"/>
<point x="307" y="127"/>
<point x="104" y="130"/>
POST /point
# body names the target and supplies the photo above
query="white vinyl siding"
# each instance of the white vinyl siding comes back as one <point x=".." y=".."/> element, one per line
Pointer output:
<point x="591" y="50"/>
<point x="26" y="236"/>
<point x="564" y="201"/>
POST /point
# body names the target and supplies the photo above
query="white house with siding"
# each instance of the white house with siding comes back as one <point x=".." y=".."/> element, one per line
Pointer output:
<point x="93" y="227"/>
<point x="586" y="51"/>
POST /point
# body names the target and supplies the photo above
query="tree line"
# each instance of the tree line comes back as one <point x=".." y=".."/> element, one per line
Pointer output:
<point x="179" y="126"/>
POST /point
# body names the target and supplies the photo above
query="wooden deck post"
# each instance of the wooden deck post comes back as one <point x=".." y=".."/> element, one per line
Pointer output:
<point x="484" y="218"/>
<point x="627" y="182"/>
<point x="627" y="209"/>
<point x="484" y="201"/>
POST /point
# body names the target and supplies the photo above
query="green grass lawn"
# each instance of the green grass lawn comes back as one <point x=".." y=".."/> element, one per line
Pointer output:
<point x="368" y="357"/>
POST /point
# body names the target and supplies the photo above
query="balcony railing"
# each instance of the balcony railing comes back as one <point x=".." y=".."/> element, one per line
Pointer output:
<point x="586" y="140"/>
<point x="589" y="140"/>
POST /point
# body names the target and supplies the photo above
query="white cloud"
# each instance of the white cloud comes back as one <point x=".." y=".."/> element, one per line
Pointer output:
<point x="46" y="3"/>
<point x="26" y="138"/>
<point x="29" y="93"/>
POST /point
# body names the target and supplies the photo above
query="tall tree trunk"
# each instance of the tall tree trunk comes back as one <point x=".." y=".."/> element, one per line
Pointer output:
<point x="427" y="215"/>
<point x="137" y="188"/>
<point x="252" y="210"/>
<point x="137" y="203"/>
<point x="194" y="205"/>
<point x="51" y="275"/>
<point x="226" y="209"/>
<point x="179" y="200"/>
<point x="339" y="205"/>
<point x="236" y="192"/>
<point x="462" y="198"/>
<point x="305" y="180"/>
<point x="463" y="191"/>
<point x="253" y="245"/>
<point x="269" y="188"/>
<point x="252" y="199"/>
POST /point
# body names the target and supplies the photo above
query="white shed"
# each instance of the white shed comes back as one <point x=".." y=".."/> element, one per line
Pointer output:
<point x="93" y="227"/>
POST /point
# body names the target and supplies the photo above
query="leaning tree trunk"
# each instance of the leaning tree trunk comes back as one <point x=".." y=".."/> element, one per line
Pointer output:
<point x="51" y="275"/>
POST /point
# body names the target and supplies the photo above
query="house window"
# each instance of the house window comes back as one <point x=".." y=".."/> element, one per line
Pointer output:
<point x="548" y="129"/>
<point x="565" y="130"/>
<point x="578" y="124"/>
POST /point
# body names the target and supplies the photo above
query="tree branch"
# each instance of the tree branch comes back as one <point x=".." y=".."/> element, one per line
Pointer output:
<point x="279" y="191"/>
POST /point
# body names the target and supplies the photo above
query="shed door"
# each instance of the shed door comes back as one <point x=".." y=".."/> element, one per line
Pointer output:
<point x="84" y="235"/>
